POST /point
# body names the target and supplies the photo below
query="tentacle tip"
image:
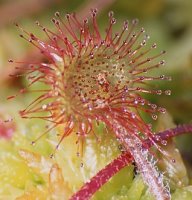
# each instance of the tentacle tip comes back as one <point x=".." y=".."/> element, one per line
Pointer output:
<point x="51" y="156"/>
<point x="33" y="143"/>
<point x="111" y="14"/>
<point x="10" y="61"/>
<point x="10" y="97"/>
<point x="57" y="14"/>
<point x="135" y="21"/>
<point x="16" y="24"/>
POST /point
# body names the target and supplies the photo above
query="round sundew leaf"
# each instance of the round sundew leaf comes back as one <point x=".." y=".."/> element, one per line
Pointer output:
<point x="94" y="78"/>
<point x="184" y="193"/>
<point x="173" y="166"/>
<point x="171" y="162"/>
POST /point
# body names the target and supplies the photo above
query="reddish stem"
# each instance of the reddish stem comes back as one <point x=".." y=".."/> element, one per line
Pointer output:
<point x="102" y="177"/>
<point x="122" y="161"/>
<point x="167" y="134"/>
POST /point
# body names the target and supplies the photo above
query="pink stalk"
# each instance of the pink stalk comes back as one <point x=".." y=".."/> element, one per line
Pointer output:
<point x="102" y="177"/>
<point x="142" y="157"/>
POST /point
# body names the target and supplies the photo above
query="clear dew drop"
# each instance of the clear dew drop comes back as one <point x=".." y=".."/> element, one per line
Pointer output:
<point x="44" y="106"/>
<point x="162" y="77"/>
<point x="121" y="148"/>
<point x="135" y="101"/>
<point x="57" y="14"/>
<point x="162" y="62"/>
<point x="168" y="92"/>
<point x="90" y="107"/>
<point x="164" y="142"/>
<point x="51" y="156"/>
<point x="157" y="137"/>
<point x="154" y="117"/>
<point x="143" y="43"/>
<point x="153" y="106"/>
<point x="162" y="110"/>
<point x="33" y="143"/>
<point x="147" y="37"/>
<point x="133" y="115"/>
<point x="135" y="21"/>
<point x="78" y="154"/>
<point x="159" y="92"/>
<point x="8" y="120"/>
<point x="113" y="21"/>
<point x="67" y="15"/>
<point x="111" y="14"/>
<point x="169" y="78"/>
<point x="154" y="46"/>
<point x="149" y="126"/>
<point x="10" y="60"/>
<point x="125" y="26"/>
<point x="179" y="183"/>
<point x="163" y="52"/>
<point x="142" y="30"/>
<point x="142" y="102"/>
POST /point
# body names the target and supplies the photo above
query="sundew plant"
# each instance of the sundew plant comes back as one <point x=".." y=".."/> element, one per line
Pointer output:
<point x="88" y="80"/>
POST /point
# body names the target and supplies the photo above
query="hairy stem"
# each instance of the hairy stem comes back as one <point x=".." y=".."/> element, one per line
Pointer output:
<point x="143" y="159"/>
<point x="122" y="161"/>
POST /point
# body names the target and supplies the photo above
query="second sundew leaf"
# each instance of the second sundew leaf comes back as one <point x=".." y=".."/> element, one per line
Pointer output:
<point x="173" y="166"/>
<point x="184" y="193"/>
<point x="171" y="162"/>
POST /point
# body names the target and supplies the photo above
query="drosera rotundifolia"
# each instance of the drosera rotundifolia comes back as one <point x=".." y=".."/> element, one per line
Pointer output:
<point x="90" y="77"/>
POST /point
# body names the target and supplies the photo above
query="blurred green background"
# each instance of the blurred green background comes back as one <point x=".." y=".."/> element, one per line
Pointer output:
<point x="168" y="22"/>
